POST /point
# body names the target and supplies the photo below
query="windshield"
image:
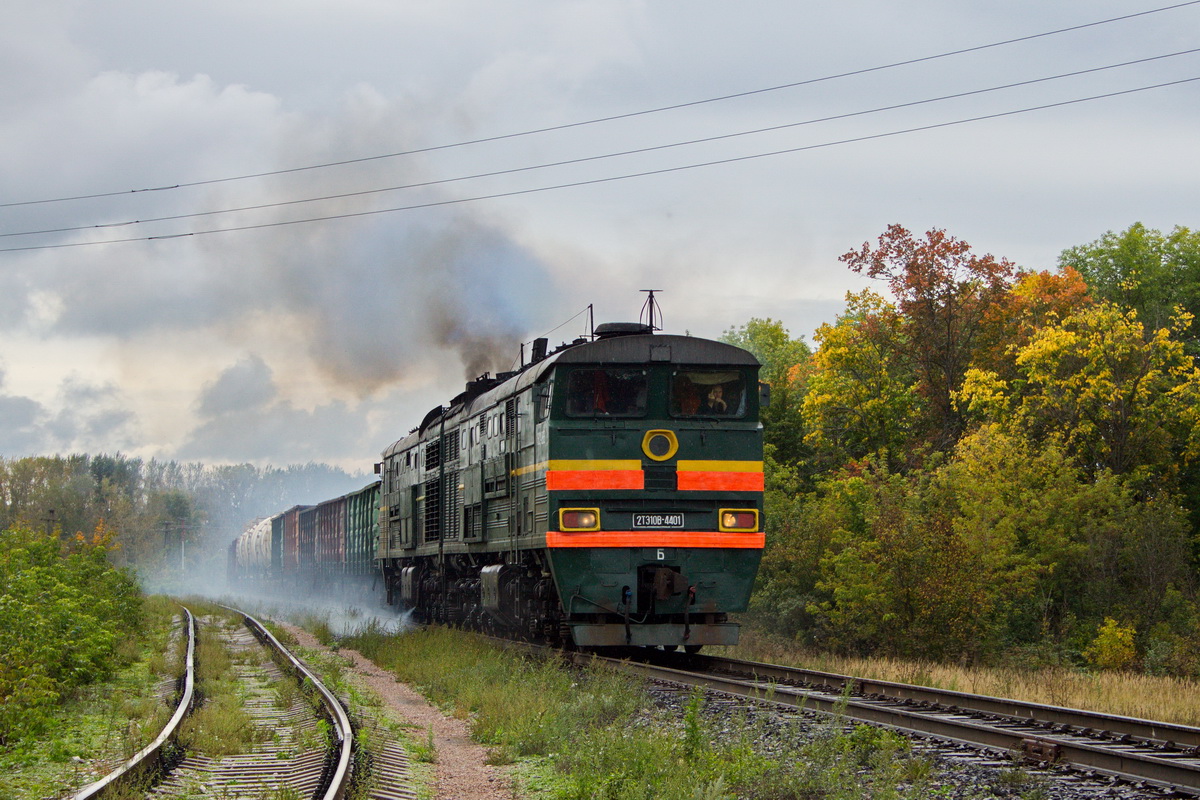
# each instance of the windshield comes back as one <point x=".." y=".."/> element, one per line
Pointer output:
<point x="606" y="392"/>
<point x="708" y="393"/>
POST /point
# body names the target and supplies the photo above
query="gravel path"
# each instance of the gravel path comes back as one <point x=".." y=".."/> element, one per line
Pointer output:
<point x="461" y="771"/>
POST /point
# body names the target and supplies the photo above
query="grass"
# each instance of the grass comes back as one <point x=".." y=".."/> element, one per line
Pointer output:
<point x="108" y="721"/>
<point x="592" y="734"/>
<point x="220" y="725"/>
<point x="1128" y="694"/>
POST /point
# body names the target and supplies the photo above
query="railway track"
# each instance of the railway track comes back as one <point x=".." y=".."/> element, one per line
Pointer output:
<point x="293" y="755"/>
<point x="153" y="757"/>
<point x="1141" y="752"/>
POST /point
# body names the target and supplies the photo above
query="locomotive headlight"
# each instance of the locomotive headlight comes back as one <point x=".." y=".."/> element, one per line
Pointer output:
<point x="738" y="519"/>
<point x="579" y="519"/>
<point x="660" y="445"/>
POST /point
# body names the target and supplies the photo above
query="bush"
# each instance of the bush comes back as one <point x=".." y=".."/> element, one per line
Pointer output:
<point x="1113" y="646"/>
<point x="64" y="610"/>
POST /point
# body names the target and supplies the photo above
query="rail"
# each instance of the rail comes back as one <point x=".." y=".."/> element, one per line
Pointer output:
<point x="151" y="754"/>
<point x="1091" y="742"/>
<point x="340" y="776"/>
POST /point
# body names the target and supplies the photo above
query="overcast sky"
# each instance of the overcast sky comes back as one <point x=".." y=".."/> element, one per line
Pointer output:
<point x="327" y="340"/>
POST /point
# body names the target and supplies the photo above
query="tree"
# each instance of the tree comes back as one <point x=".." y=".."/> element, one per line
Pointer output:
<point x="1115" y="398"/>
<point x="1036" y="299"/>
<point x="902" y="580"/>
<point x="1142" y="269"/>
<point x="784" y="367"/>
<point x="943" y="292"/>
<point x="860" y="396"/>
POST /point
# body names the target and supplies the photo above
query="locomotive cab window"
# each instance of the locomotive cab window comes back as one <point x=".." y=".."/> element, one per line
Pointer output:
<point x="708" y="393"/>
<point x="606" y="393"/>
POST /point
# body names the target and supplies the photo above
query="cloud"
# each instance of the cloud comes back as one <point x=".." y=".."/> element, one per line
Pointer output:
<point x="246" y="386"/>
<point x="319" y="318"/>
<point x="242" y="418"/>
<point x="20" y="424"/>
<point x="361" y="298"/>
<point x="90" y="417"/>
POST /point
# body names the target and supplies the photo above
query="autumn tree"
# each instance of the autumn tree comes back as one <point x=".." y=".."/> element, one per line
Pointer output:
<point x="1036" y="300"/>
<point x="1116" y="398"/>
<point x="943" y="292"/>
<point x="860" y="397"/>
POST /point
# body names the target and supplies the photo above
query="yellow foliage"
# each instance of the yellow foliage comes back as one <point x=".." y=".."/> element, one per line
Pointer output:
<point x="1113" y="646"/>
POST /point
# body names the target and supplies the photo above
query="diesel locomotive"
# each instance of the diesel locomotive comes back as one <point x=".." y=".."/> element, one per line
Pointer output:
<point x="607" y="494"/>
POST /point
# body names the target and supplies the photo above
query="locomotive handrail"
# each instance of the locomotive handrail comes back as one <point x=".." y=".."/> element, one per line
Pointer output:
<point x="340" y="779"/>
<point x="154" y="748"/>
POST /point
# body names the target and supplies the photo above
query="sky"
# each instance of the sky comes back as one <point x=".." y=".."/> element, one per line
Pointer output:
<point x="172" y="287"/>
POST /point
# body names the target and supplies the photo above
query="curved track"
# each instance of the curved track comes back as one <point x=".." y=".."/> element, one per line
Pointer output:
<point x="150" y="757"/>
<point x="289" y="757"/>
<point x="286" y="763"/>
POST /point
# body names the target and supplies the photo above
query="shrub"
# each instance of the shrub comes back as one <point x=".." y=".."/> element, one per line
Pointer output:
<point x="64" y="611"/>
<point x="1113" y="646"/>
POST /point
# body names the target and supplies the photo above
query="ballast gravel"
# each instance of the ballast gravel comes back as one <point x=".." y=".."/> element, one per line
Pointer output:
<point x="959" y="773"/>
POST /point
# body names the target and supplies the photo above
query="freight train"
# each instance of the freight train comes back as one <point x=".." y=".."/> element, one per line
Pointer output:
<point x="607" y="494"/>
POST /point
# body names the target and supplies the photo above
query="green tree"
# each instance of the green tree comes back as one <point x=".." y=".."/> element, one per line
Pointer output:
<point x="64" y="610"/>
<point x="1143" y="269"/>
<point x="784" y="367"/>
<point x="907" y="584"/>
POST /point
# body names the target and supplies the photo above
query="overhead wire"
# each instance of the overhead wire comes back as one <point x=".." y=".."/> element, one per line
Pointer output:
<point x="611" y="118"/>
<point x="612" y="178"/>
<point x="600" y="157"/>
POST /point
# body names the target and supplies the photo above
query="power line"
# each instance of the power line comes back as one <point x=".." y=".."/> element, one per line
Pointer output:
<point x="611" y="178"/>
<point x="612" y="118"/>
<point x="586" y="159"/>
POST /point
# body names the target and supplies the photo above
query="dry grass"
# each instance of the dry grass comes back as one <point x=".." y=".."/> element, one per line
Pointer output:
<point x="1125" y="693"/>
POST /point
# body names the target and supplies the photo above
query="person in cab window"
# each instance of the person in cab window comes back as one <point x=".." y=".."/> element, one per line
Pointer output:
<point x="715" y="403"/>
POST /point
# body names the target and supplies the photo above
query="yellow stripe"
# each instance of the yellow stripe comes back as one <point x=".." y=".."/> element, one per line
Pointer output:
<point x="720" y="466"/>
<point x="585" y="465"/>
<point x="531" y="468"/>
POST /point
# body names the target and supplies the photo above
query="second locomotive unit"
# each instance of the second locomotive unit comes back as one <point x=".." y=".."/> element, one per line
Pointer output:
<point x="607" y="494"/>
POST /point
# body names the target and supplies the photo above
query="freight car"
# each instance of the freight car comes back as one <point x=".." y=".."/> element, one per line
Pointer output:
<point x="607" y="494"/>
<point x="328" y="548"/>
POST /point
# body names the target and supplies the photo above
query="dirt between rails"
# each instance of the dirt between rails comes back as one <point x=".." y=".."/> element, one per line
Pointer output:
<point x="462" y="773"/>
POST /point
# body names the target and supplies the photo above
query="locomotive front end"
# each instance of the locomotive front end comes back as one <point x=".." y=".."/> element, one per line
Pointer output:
<point x="654" y="480"/>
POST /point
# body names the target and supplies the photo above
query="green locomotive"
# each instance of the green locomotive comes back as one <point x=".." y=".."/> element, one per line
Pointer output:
<point x="608" y="494"/>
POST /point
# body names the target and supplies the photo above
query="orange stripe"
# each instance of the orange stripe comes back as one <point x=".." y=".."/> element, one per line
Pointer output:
<point x="720" y="481"/>
<point x="712" y="539"/>
<point x="559" y="479"/>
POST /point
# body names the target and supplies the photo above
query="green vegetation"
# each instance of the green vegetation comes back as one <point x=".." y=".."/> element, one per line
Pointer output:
<point x="108" y="720"/>
<point x="592" y="734"/>
<point x="67" y="619"/>
<point x="996" y="466"/>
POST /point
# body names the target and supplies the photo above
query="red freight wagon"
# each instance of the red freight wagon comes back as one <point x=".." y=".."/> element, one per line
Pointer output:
<point x="331" y="536"/>
<point x="291" y="538"/>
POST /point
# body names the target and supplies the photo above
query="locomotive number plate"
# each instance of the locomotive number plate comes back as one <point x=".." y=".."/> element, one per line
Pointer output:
<point x="658" y="520"/>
